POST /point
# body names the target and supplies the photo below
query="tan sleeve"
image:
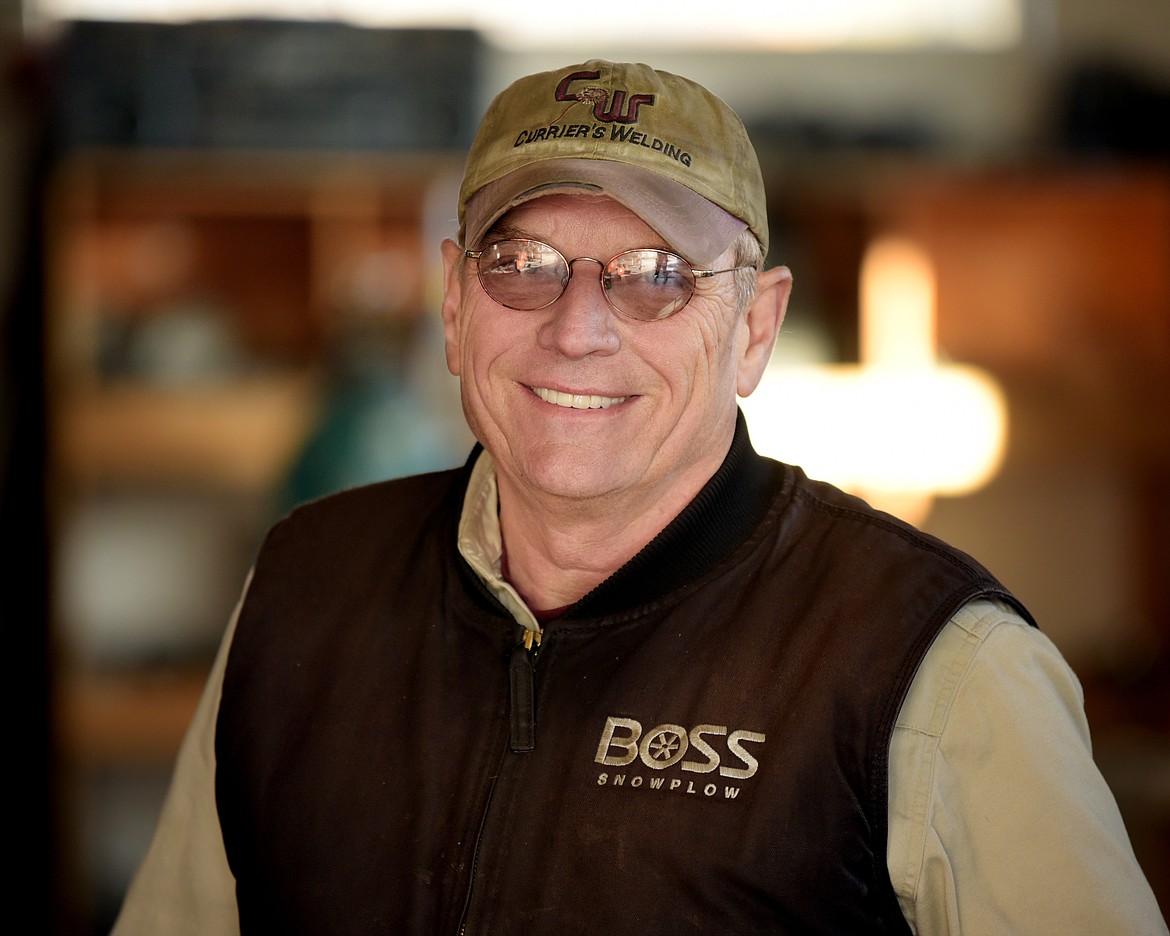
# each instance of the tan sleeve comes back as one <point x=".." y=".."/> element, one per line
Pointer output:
<point x="1000" y="822"/>
<point x="184" y="886"/>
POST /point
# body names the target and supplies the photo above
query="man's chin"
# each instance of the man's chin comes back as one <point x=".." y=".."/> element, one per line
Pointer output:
<point x="567" y="471"/>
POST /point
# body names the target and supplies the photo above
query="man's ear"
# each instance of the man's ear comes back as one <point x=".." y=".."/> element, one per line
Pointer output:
<point x="763" y="318"/>
<point x="452" y="299"/>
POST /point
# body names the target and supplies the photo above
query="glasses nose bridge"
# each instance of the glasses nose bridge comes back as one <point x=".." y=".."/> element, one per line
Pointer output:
<point x="601" y="278"/>
<point x="600" y="273"/>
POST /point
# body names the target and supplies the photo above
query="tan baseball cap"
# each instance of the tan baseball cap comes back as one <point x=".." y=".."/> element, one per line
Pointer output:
<point x="665" y="147"/>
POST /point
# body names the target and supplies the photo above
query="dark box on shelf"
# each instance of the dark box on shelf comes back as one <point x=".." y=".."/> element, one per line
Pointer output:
<point x="266" y="84"/>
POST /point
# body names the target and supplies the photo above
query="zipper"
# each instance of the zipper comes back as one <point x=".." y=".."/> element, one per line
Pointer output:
<point x="475" y="855"/>
<point x="521" y="668"/>
<point x="522" y="736"/>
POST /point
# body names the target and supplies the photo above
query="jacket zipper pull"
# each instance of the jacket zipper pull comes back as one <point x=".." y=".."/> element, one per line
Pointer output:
<point x="523" y="713"/>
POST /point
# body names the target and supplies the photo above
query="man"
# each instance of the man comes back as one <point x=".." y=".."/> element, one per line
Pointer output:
<point x="619" y="674"/>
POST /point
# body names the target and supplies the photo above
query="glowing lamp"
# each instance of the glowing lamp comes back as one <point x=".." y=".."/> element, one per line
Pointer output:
<point x="899" y="428"/>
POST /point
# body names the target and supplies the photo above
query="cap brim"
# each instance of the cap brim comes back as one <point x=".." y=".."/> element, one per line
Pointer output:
<point x="691" y="225"/>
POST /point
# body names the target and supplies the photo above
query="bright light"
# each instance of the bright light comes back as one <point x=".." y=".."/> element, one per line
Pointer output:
<point x="934" y="430"/>
<point x="897" y="304"/>
<point x="900" y="427"/>
<point x="976" y="24"/>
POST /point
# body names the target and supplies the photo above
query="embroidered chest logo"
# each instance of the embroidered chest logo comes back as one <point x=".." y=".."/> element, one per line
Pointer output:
<point x="607" y="109"/>
<point x="703" y="749"/>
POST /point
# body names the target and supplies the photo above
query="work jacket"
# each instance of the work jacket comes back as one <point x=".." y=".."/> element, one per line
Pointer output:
<point x="698" y="745"/>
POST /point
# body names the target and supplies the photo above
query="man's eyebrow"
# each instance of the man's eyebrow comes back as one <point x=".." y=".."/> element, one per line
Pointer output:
<point x="502" y="230"/>
<point x="505" y="230"/>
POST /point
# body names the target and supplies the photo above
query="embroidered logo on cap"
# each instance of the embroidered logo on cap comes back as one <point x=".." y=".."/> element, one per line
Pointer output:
<point x="605" y="109"/>
<point x="609" y="106"/>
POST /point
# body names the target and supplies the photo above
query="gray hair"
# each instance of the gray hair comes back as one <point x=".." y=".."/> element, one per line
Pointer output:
<point x="746" y="251"/>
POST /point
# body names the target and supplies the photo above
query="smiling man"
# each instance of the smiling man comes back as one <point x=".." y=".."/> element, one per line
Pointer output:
<point x="605" y="417"/>
<point x="618" y="673"/>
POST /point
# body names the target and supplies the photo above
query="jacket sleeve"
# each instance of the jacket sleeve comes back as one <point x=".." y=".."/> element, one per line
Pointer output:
<point x="1000" y="821"/>
<point x="184" y="886"/>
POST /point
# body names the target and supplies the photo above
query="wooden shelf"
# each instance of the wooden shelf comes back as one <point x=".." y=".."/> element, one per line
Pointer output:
<point x="99" y="182"/>
<point x="237" y="434"/>
<point x="120" y="717"/>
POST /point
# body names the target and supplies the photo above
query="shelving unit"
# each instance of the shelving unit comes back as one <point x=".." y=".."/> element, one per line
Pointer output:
<point x="193" y="299"/>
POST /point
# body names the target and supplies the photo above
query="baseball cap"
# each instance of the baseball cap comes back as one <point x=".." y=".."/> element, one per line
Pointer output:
<point x="664" y="146"/>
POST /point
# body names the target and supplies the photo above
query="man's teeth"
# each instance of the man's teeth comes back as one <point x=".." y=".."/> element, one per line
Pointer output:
<point x="577" y="400"/>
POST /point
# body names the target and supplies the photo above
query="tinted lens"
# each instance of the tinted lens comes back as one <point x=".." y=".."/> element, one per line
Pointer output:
<point x="522" y="274"/>
<point x="649" y="284"/>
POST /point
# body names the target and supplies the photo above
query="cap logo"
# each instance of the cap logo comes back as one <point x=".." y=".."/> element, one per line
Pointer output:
<point x="605" y="109"/>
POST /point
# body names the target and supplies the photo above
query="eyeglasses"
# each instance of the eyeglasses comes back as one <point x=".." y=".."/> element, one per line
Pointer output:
<point x="646" y="284"/>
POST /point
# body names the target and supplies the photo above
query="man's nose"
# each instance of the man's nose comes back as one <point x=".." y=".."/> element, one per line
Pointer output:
<point x="581" y="321"/>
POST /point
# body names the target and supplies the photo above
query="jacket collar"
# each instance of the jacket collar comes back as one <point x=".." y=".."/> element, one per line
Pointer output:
<point x="720" y="518"/>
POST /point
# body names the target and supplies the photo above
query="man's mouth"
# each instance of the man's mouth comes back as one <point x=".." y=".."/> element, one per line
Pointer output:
<point x="576" y="400"/>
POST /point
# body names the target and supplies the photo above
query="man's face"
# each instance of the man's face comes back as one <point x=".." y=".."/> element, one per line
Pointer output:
<point x="666" y="389"/>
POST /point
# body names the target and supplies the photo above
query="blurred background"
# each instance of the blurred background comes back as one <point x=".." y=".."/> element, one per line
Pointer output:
<point x="219" y="294"/>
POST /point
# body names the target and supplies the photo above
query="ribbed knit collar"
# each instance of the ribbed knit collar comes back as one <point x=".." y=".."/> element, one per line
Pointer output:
<point x="721" y="517"/>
